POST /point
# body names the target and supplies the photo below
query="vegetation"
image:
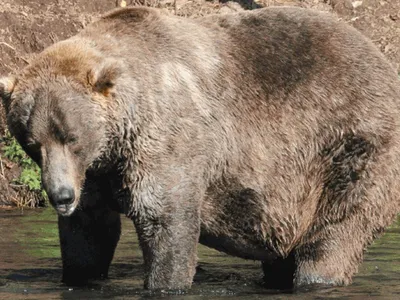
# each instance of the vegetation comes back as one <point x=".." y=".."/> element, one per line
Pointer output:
<point x="28" y="184"/>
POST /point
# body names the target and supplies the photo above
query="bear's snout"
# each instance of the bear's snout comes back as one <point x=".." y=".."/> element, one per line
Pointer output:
<point x="60" y="180"/>
<point x="62" y="199"/>
<point x="64" y="196"/>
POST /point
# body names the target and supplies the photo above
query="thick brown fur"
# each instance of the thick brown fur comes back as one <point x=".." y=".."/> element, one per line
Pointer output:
<point x="271" y="135"/>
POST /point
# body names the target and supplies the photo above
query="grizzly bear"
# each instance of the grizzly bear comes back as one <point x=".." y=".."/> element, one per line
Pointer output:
<point x="271" y="135"/>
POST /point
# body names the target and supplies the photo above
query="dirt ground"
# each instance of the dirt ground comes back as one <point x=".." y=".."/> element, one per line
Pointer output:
<point x="27" y="27"/>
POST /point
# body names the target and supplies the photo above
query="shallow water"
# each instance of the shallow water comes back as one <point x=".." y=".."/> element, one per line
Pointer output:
<point x="30" y="268"/>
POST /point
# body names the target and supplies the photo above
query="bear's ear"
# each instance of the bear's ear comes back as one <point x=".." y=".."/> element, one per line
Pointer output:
<point x="102" y="79"/>
<point x="7" y="85"/>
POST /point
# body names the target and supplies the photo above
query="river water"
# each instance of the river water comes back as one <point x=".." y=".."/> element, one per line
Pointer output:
<point x="30" y="268"/>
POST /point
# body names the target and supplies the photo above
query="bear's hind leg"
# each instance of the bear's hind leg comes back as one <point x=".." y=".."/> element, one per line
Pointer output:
<point x="279" y="273"/>
<point x="334" y="257"/>
<point x="330" y="256"/>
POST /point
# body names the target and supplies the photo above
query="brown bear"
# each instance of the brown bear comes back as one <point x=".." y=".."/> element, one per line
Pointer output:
<point x="272" y="135"/>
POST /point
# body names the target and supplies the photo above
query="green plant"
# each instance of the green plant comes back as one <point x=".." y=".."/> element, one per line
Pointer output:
<point x="13" y="151"/>
<point x="29" y="180"/>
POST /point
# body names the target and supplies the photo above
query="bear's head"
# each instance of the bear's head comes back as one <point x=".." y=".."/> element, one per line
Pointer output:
<point x="57" y="110"/>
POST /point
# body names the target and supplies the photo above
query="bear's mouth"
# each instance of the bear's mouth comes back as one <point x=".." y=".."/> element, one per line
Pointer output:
<point x="65" y="210"/>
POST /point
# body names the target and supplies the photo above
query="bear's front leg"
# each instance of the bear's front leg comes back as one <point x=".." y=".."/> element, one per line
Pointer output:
<point x="88" y="242"/>
<point x="168" y="236"/>
<point x="89" y="236"/>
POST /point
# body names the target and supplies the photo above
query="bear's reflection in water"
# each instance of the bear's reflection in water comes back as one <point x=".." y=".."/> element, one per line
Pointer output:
<point x="30" y="267"/>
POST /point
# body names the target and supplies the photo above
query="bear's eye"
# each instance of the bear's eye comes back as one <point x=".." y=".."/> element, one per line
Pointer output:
<point x="33" y="145"/>
<point x="77" y="151"/>
<point x="33" y="150"/>
<point x="71" y="139"/>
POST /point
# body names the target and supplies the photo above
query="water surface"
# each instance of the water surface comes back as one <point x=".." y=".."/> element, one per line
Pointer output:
<point x="30" y="268"/>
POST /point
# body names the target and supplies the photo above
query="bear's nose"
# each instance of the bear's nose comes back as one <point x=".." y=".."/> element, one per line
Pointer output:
<point x="64" y="196"/>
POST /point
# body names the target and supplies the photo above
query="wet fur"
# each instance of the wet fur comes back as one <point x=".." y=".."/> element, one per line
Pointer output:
<point x="270" y="135"/>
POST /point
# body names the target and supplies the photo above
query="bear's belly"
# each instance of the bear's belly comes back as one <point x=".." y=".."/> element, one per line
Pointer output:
<point x="238" y="246"/>
<point x="232" y="222"/>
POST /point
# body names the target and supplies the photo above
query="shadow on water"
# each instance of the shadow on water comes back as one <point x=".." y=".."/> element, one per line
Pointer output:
<point x="30" y="268"/>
